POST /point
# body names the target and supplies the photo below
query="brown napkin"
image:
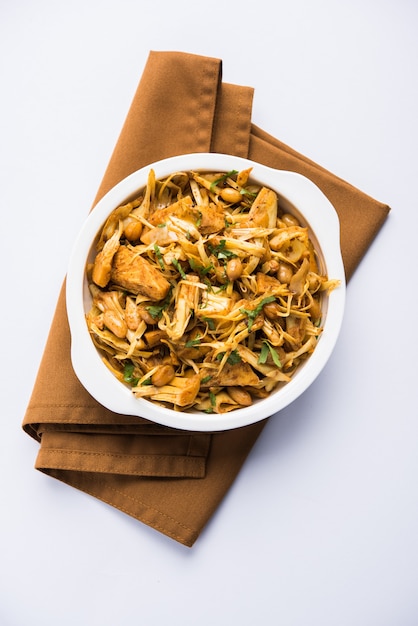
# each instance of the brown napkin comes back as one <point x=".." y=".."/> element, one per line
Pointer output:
<point x="171" y="480"/>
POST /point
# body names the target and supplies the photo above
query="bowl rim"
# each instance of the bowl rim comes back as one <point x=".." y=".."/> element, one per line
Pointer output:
<point x="88" y="366"/>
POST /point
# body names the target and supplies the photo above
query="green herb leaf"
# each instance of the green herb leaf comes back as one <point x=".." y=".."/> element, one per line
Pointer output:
<point x="159" y="256"/>
<point x="267" y="349"/>
<point x="128" y="371"/>
<point x="179" y="268"/>
<point x="209" y="322"/>
<point x="223" y="178"/>
<point x="252" y="313"/>
<point x="264" y="352"/>
<point x="275" y="356"/>
<point x="233" y="357"/>
<point x="244" y="192"/>
<point x="155" y="310"/>
<point x="192" y="342"/>
<point x="206" y="379"/>
<point x="212" y="398"/>
<point x="200" y="269"/>
<point x="221" y="252"/>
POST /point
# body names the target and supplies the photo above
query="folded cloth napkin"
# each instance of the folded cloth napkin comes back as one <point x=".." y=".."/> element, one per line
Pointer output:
<point x="168" y="479"/>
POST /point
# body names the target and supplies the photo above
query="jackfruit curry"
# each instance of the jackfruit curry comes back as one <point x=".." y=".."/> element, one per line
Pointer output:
<point x="206" y="295"/>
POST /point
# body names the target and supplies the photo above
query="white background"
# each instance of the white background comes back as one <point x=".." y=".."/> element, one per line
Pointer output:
<point x="320" y="527"/>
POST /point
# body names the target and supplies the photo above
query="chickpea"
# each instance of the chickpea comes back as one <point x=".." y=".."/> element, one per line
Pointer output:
<point x="163" y="375"/>
<point x="231" y="195"/>
<point x="314" y="282"/>
<point x="240" y="396"/>
<point x="289" y="219"/>
<point x="132" y="229"/>
<point x="234" y="268"/>
<point x="272" y="266"/>
<point x="284" y="273"/>
<point x="272" y="311"/>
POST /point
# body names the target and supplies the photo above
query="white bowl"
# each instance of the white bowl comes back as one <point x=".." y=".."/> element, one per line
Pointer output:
<point x="296" y="194"/>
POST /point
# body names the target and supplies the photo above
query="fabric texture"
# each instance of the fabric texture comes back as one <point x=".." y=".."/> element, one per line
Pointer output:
<point x="170" y="480"/>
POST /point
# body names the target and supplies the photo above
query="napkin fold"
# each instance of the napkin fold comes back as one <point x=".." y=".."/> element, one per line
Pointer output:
<point x="169" y="479"/>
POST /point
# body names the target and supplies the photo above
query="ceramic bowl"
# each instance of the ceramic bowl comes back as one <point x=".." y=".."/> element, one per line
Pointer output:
<point x="297" y="195"/>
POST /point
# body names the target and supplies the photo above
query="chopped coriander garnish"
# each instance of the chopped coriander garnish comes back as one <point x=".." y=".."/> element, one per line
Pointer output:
<point x="212" y="398"/>
<point x="233" y="357"/>
<point x="205" y="269"/>
<point x="264" y="352"/>
<point x="223" y="178"/>
<point x="252" y="314"/>
<point x="275" y="356"/>
<point x="267" y="349"/>
<point x="179" y="268"/>
<point x="192" y="342"/>
<point x="209" y="322"/>
<point x="128" y="374"/>
<point x="245" y="192"/>
<point x="209" y="287"/>
<point x="206" y="379"/>
<point x="200" y="269"/>
<point x="155" y="310"/>
<point x="159" y="256"/>
<point x="221" y="252"/>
